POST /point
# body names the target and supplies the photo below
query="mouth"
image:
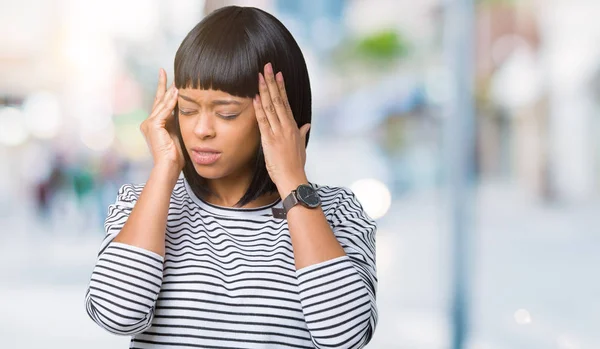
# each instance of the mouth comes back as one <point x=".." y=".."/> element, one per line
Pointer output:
<point x="205" y="158"/>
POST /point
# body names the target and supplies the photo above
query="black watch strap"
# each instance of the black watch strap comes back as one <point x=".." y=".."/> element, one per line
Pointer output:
<point x="290" y="201"/>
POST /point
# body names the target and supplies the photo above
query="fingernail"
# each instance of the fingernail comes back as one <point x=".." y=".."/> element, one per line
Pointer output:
<point x="261" y="78"/>
<point x="269" y="68"/>
<point x="279" y="77"/>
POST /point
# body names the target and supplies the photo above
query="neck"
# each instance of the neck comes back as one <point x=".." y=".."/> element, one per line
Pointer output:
<point x="229" y="190"/>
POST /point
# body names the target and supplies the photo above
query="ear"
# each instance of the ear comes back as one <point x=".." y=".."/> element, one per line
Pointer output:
<point x="304" y="130"/>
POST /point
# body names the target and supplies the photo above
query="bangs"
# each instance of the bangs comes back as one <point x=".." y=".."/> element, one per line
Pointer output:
<point x="218" y="54"/>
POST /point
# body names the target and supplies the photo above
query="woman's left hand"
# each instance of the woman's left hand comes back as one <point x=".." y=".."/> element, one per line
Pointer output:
<point x="283" y="142"/>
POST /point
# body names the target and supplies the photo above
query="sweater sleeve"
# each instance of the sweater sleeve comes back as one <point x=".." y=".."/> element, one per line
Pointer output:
<point x="126" y="279"/>
<point x="338" y="296"/>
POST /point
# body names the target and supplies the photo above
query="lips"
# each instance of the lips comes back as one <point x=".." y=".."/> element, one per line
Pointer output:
<point x="205" y="150"/>
<point x="204" y="157"/>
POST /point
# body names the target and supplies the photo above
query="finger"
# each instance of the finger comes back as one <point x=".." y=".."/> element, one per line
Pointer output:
<point x="283" y="92"/>
<point x="261" y="117"/>
<point x="169" y="104"/>
<point x="276" y="98"/>
<point x="161" y="104"/>
<point x="267" y="104"/>
<point x="165" y="108"/>
<point x="161" y="88"/>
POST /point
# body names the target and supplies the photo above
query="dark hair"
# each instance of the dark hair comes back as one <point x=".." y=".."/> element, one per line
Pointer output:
<point x="226" y="51"/>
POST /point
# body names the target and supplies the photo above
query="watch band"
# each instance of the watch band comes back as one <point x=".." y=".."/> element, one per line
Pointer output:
<point x="290" y="201"/>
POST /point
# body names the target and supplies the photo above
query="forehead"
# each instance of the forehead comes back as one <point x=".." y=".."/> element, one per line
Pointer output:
<point x="199" y="95"/>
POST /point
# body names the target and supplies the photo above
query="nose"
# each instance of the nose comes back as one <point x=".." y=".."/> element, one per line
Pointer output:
<point x="204" y="126"/>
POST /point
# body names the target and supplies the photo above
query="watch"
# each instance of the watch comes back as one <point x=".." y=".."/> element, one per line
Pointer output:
<point x="304" y="194"/>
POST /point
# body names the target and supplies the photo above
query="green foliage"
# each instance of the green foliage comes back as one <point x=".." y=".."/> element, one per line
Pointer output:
<point x="384" y="45"/>
<point x="375" y="52"/>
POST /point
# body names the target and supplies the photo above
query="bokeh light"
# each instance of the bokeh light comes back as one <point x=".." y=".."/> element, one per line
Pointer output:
<point x="12" y="128"/>
<point x="99" y="139"/>
<point x="522" y="317"/>
<point x="374" y="196"/>
<point x="42" y="115"/>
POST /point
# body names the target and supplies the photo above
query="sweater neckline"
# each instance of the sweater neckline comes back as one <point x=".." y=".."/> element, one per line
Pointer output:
<point x="264" y="210"/>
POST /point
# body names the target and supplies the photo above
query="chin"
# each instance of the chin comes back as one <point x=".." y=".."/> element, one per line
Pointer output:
<point x="208" y="172"/>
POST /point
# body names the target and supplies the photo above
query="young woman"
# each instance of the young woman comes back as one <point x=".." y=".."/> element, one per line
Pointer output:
<point x="242" y="251"/>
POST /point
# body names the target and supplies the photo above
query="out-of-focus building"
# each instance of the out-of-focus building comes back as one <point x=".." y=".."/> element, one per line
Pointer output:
<point x="537" y="119"/>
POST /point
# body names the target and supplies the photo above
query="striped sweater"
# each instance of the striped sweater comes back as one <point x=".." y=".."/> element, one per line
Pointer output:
<point x="228" y="278"/>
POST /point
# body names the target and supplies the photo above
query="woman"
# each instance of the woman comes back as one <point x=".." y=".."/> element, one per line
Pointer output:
<point x="243" y="251"/>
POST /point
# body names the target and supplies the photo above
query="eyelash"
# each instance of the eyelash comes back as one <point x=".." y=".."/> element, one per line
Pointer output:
<point x="226" y="117"/>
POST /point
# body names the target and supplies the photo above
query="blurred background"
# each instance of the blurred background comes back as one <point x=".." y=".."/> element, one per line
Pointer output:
<point x="468" y="130"/>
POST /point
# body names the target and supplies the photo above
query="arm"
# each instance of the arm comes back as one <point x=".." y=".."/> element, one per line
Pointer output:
<point x="145" y="227"/>
<point x="128" y="273"/>
<point x="335" y="265"/>
<point x="336" y="271"/>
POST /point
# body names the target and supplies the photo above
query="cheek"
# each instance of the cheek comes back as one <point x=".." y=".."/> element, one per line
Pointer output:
<point x="184" y="127"/>
<point x="252" y="125"/>
<point x="254" y="134"/>
<point x="245" y="140"/>
<point x="247" y="136"/>
<point x="186" y="136"/>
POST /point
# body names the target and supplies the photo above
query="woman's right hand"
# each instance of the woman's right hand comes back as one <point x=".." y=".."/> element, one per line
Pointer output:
<point x="158" y="128"/>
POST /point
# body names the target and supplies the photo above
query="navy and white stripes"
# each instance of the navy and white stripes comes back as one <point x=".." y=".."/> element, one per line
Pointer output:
<point x="228" y="278"/>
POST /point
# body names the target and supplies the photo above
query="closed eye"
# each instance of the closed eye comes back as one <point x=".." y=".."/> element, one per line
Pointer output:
<point x="228" y="116"/>
<point x="224" y="116"/>
<point x="183" y="112"/>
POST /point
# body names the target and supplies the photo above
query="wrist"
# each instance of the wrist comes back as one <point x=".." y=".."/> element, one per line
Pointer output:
<point x="286" y="187"/>
<point x="166" y="171"/>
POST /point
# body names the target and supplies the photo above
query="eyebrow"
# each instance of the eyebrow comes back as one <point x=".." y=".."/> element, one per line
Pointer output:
<point x="215" y="102"/>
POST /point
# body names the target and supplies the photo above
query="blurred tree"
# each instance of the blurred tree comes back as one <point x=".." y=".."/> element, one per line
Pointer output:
<point x="384" y="45"/>
<point x="379" y="49"/>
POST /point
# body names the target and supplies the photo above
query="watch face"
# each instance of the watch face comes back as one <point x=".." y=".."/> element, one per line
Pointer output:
<point x="308" y="195"/>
